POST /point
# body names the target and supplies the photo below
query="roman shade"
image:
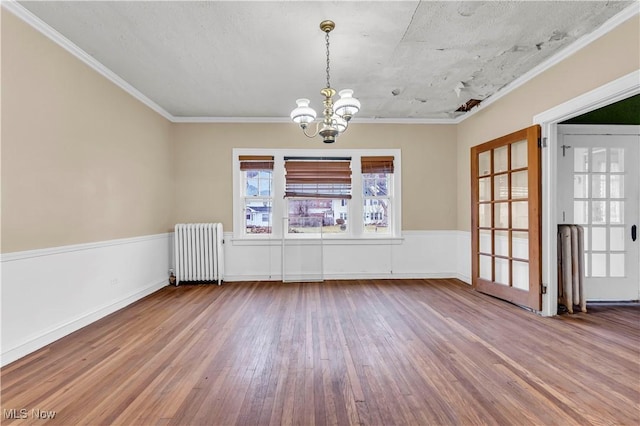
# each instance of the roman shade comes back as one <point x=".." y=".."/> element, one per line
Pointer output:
<point x="256" y="162"/>
<point x="317" y="178"/>
<point x="380" y="164"/>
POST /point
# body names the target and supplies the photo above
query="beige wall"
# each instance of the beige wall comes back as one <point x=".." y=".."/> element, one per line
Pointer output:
<point x="606" y="59"/>
<point x="82" y="160"/>
<point x="204" y="168"/>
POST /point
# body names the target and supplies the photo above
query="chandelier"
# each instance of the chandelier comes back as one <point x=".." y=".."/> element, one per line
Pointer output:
<point x="335" y="116"/>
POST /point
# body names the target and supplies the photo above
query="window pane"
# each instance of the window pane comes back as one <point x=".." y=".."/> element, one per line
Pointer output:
<point x="502" y="271"/>
<point x="598" y="238"/>
<point x="501" y="216"/>
<point x="485" y="267"/>
<point x="581" y="160"/>
<point x="484" y="215"/>
<point x="586" y="241"/>
<point x="258" y="183"/>
<point x="580" y="212"/>
<point x="599" y="265"/>
<point x="587" y="272"/>
<point x="599" y="160"/>
<point x="485" y="241"/>
<point x="484" y="163"/>
<point x="580" y="186"/>
<point x="258" y="216"/>
<point x="599" y="186"/>
<point x="484" y="189"/>
<point x="314" y="215"/>
<point x="617" y="265"/>
<point x="502" y="243"/>
<point x="599" y="212"/>
<point x="616" y="186"/>
<point x="520" y="275"/>
<point x="501" y="187"/>
<point x="520" y="245"/>
<point x="617" y="160"/>
<point x="617" y="212"/>
<point x="519" y="185"/>
<point x="375" y="184"/>
<point x="520" y="215"/>
<point x="375" y="215"/>
<point x="519" y="155"/>
<point x="500" y="159"/>
<point x="616" y="238"/>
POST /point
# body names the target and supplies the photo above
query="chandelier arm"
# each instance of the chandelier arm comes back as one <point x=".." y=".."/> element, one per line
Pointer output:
<point x="304" y="130"/>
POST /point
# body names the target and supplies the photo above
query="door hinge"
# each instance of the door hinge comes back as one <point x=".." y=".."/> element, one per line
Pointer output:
<point x="543" y="289"/>
<point x="542" y="143"/>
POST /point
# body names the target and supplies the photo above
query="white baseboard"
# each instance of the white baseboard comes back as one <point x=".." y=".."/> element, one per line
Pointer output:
<point x="343" y="276"/>
<point x="50" y="336"/>
<point x="50" y="293"/>
<point x="464" y="278"/>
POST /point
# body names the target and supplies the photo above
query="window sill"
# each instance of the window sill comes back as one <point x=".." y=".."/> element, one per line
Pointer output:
<point x="277" y="241"/>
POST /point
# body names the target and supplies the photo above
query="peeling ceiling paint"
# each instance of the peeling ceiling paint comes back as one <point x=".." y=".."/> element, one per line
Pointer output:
<point x="404" y="59"/>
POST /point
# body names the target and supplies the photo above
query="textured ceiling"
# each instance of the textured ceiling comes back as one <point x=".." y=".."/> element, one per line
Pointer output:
<point x="404" y="59"/>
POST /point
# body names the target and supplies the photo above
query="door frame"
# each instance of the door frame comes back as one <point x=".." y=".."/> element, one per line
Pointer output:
<point x="617" y="90"/>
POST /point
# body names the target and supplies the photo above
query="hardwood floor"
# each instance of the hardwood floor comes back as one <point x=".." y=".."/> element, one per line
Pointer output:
<point x="379" y="352"/>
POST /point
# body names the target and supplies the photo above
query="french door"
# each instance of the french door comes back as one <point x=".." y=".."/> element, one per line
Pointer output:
<point x="505" y="218"/>
<point x="599" y="189"/>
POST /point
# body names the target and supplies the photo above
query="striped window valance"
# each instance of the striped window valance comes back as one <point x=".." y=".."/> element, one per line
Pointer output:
<point x="256" y="162"/>
<point x="380" y="164"/>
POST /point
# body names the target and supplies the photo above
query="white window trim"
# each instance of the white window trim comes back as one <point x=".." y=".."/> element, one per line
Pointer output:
<point x="355" y="213"/>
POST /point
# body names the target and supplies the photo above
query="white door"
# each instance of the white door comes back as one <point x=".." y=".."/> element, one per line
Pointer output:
<point x="599" y="189"/>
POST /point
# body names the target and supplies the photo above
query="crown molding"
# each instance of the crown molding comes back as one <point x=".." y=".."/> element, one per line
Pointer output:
<point x="361" y="120"/>
<point x="21" y="12"/>
<point x="31" y="19"/>
<point x="180" y="119"/>
<point x="574" y="47"/>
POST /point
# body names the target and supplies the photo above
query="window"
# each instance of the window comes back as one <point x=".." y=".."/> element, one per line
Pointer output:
<point x="308" y="193"/>
<point x="377" y="173"/>
<point x="257" y="174"/>
<point x="317" y="191"/>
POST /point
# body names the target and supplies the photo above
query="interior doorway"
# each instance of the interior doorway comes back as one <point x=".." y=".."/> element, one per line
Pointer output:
<point x="599" y="190"/>
<point x="623" y="88"/>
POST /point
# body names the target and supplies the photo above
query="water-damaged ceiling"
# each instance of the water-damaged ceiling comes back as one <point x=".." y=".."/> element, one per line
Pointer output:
<point x="404" y="59"/>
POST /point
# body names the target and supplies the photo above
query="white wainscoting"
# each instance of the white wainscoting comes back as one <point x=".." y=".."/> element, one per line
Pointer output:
<point x="463" y="256"/>
<point x="50" y="293"/>
<point x="417" y="254"/>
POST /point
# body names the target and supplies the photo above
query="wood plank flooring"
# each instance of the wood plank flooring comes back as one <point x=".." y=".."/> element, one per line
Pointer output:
<point x="373" y="352"/>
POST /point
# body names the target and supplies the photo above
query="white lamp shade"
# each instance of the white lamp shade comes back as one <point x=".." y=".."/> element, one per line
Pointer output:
<point x="303" y="114"/>
<point x="347" y="105"/>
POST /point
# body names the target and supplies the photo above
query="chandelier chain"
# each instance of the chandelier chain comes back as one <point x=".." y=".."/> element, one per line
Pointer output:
<point x="327" y="39"/>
